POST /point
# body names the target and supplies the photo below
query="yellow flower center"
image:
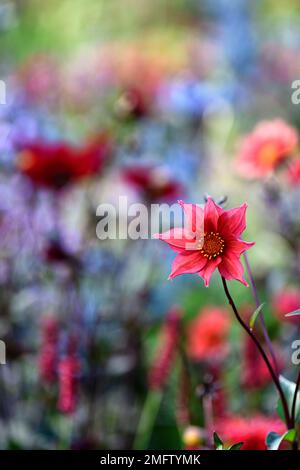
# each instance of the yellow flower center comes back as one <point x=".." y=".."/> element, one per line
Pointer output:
<point x="212" y="245"/>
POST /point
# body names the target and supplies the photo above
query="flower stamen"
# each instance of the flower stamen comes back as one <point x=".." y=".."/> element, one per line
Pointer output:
<point x="212" y="245"/>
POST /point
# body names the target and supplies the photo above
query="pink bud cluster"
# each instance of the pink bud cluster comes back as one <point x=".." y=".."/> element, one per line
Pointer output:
<point x="68" y="372"/>
<point x="53" y="369"/>
<point x="47" y="361"/>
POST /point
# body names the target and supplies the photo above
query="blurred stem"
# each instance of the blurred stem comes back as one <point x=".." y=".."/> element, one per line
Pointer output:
<point x="288" y="420"/>
<point x="261" y="316"/>
<point x="293" y="412"/>
<point x="208" y="415"/>
<point x="147" y="420"/>
<point x="187" y="373"/>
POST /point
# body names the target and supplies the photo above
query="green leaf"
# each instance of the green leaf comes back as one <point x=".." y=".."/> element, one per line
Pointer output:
<point x="236" y="446"/>
<point x="147" y="420"/>
<point x="218" y="443"/>
<point x="255" y="315"/>
<point x="288" y="388"/>
<point x="293" y="314"/>
<point x="274" y="440"/>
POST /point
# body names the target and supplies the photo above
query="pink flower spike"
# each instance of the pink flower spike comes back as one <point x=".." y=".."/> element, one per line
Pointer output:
<point x="212" y="244"/>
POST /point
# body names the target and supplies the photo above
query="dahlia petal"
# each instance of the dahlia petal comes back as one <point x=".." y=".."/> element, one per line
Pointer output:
<point x="179" y="239"/>
<point x="212" y="212"/>
<point x="233" y="221"/>
<point x="207" y="271"/>
<point x="187" y="263"/>
<point x="238" y="247"/>
<point x="195" y="217"/>
<point x="231" y="268"/>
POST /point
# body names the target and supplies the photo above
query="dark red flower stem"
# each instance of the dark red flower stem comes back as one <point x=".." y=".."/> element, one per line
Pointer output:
<point x="288" y="420"/>
<point x="293" y="412"/>
<point x="262" y="320"/>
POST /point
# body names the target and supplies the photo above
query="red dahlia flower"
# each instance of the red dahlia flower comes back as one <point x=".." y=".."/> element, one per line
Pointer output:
<point x="210" y="241"/>
<point x="251" y="431"/>
<point x="152" y="182"/>
<point x="55" y="165"/>
<point x="207" y="334"/>
<point x="265" y="148"/>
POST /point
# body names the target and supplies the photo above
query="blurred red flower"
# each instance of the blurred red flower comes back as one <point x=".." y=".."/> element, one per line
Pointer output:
<point x="265" y="148"/>
<point x="207" y="334"/>
<point x="153" y="183"/>
<point x="55" y="165"/>
<point x="47" y="361"/>
<point x="285" y="301"/>
<point x="68" y="371"/>
<point x="166" y="352"/>
<point x="251" y="431"/>
<point x="211" y="241"/>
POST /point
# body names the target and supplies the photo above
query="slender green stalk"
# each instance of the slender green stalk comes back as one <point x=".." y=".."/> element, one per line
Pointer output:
<point x="147" y="420"/>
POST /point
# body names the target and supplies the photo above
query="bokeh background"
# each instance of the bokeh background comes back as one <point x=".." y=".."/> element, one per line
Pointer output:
<point x="149" y="100"/>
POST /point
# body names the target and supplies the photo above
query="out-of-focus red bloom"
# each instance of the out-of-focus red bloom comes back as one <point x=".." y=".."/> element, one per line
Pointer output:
<point x="294" y="172"/>
<point x="166" y="352"/>
<point x="47" y="361"/>
<point x="265" y="148"/>
<point x="251" y="431"/>
<point x="207" y="334"/>
<point x="210" y="241"/>
<point x="55" y="165"/>
<point x="68" y="371"/>
<point x="153" y="183"/>
<point x="286" y="301"/>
